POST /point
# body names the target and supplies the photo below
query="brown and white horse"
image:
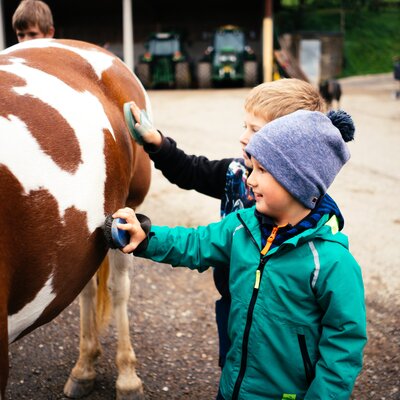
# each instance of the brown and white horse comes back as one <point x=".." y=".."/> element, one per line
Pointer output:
<point x="66" y="161"/>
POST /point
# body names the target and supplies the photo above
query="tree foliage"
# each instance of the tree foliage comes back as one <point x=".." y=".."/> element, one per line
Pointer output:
<point x="353" y="5"/>
<point x="370" y="29"/>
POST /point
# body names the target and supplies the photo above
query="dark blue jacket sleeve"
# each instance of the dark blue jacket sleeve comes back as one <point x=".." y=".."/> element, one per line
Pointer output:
<point x="190" y="171"/>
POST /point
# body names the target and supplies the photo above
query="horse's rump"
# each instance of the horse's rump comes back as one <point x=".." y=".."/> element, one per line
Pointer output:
<point x="66" y="160"/>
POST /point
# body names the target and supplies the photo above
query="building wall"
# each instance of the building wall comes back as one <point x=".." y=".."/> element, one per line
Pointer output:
<point x="331" y="62"/>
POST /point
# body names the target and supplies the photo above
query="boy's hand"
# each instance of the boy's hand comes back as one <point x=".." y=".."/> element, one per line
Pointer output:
<point x="132" y="226"/>
<point x="143" y="126"/>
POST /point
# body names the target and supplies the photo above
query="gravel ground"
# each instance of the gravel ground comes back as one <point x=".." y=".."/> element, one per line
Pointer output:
<point x="172" y="310"/>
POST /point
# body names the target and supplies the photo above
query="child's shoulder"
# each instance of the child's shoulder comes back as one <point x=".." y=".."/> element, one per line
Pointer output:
<point x="244" y="213"/>
<point x="334" y="252"/>
<point x="248" y="211"/>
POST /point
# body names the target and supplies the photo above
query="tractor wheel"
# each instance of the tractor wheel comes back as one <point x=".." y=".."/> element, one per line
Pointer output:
<point x="250" y="73"/>
<point x="204" y="75"/>
<point x="143" y="73"/>
<point x="182" y="75"/>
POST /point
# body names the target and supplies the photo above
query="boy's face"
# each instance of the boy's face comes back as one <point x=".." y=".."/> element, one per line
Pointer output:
<point x="271" y="197"/>
<point x="252" y="124"/>
<point x="32" y="32"/>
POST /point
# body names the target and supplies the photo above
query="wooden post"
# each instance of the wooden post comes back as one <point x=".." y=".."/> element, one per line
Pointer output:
<point x="128" y="40"/>
<point x="268" y="42"/>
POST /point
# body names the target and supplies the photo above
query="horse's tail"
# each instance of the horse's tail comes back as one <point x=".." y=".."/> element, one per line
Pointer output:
<point x="103" y="306"/>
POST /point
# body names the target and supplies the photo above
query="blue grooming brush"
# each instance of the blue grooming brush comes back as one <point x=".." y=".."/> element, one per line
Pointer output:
<point x="116" y="238"/>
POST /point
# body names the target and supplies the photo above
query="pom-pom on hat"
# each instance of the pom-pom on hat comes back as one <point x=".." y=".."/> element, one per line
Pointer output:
<point x="304" y="151"/>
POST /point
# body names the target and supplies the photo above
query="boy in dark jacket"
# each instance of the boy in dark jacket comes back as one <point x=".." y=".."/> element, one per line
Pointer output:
<point x="297" y="322"/>
<point x="226" y="179"/>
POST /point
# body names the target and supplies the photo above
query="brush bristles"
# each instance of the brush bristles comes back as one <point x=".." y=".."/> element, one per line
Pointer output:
<point x="107" y="232"/>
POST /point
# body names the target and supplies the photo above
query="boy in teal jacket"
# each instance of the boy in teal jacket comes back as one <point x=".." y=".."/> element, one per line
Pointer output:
<point x="297" y="322"/>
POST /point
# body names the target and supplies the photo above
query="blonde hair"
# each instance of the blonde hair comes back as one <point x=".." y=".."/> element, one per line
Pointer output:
<point x="30" y="13"/>
<point x="271" y="100"/>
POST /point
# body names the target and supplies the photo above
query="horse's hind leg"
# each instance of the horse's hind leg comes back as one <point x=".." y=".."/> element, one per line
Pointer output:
<point x="129" y="386"/>
<point x="81" y="380"/>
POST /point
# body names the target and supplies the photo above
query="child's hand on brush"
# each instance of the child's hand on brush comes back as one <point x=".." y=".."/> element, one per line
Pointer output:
<point x="132" y="226"/>
<point x="143" y="126"/>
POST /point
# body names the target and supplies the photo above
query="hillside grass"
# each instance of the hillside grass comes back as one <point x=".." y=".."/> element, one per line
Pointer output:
<point x="371" y="42"/>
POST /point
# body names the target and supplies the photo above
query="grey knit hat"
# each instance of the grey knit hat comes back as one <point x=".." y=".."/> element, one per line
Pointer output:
<point x="304" y="151"/>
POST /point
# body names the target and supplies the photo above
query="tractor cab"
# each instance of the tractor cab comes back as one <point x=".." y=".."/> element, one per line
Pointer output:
<point x="228" y="48"/>
<point x="164" y="64"/>
<point x="228" y="60"/>
<point x="164" y="45"/>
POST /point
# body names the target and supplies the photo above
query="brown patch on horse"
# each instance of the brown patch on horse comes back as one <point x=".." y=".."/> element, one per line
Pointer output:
<point x="31" y="235"/>
<point x="62" y="145"/>
<point x="89" y="252"/>
<point x="44" y="241"/>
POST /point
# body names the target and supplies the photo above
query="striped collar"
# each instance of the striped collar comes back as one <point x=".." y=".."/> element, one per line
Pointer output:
<point x="325" y="206"/>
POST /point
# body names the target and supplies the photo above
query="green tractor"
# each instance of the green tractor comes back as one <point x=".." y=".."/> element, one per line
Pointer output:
<point x="164" y="63"/>
<point x="229" y="61"/>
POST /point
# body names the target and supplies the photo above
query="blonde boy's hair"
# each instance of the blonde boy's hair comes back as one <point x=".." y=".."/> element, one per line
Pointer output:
<point x="271" y="100"/>
<point x="30" y="13"/>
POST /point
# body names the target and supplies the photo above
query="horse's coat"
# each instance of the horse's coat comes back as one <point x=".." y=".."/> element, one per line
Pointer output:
<point x="66" y="160"/>
<point x="69" y="189"/>
<point x="24" y="318"/>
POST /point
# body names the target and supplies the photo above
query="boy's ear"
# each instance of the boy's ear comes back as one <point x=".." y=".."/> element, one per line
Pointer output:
<point x="50" y="33"/>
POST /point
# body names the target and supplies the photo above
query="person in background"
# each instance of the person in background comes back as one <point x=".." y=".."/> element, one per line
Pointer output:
<point x="33" y="20"/>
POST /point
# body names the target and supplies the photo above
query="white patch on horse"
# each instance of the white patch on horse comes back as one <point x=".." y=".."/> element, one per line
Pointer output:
<point x="25" y="317"/>
<point x="23" y="155"/>
<point x="97" y="59"/>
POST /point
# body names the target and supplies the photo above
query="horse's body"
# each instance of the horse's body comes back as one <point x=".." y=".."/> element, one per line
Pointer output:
<point x="66" y="161"/>
<point x="331" y="91"/>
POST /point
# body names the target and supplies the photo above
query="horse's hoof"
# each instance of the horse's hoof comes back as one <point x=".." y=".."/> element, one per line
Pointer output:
<point x="78" y="388"/>
<point x="131" y="395"/>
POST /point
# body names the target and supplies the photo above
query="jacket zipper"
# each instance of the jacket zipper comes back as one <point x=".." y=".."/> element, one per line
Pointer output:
<point x="249" y="320"/>
<point x="248" y="231"/>
<point x="308" y="368"/>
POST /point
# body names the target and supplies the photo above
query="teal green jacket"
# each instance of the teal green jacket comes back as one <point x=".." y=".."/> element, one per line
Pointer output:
<point x="297" y="321"/>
